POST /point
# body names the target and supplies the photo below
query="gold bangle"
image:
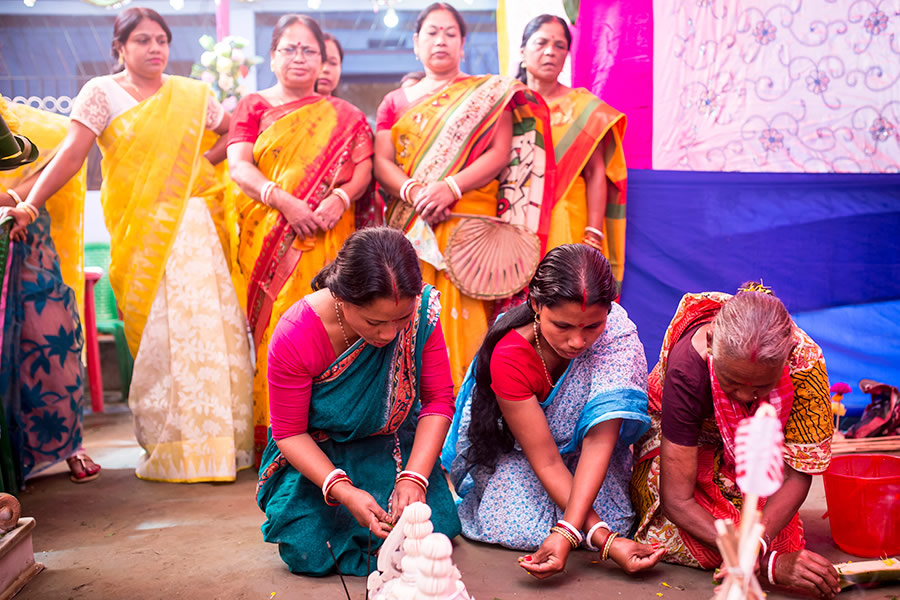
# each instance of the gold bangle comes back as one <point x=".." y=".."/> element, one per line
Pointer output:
<point x="344" y="196"/>
<point x="15" y="196"/>
<point x="592" y="244"/>
<point x="607" y="545"/>
<point x="454" y="187"/>
<point x="568" y="536"/>
<point x="31" y="210"/>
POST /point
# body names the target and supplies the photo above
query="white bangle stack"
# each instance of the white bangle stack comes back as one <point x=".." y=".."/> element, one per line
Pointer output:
<point x="590" y="534"/>
<point x="265" y="191"/>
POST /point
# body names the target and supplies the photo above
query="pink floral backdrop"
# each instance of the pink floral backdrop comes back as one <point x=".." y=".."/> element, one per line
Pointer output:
<point x="784" y="86"/>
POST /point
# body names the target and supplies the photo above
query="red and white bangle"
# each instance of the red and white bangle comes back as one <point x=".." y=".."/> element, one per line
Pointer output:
<point x="345" y="198"/>
<point x="406" y="188"/>
<point x="771" y="569"/>
<point x="333" y="478"/>
<point x="414" y="477"/>
<point x="765" y="546"/>
<point x="589" y="536"/>
<point x="573" y="531"/>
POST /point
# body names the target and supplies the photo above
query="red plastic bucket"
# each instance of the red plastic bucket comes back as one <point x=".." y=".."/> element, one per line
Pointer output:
<point x="863" y="496"/>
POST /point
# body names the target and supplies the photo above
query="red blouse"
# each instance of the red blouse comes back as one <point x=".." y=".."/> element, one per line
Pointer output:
<point x="516" y="370"/>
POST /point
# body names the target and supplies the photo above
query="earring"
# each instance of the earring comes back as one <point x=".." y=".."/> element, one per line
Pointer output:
<point x="121" y="60"/>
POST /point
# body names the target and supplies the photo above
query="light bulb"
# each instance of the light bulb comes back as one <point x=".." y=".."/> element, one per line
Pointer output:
<point x="314" y="4"/>
<point x="176" y="4"/>
<point x="390" y="18"/>
<point x="29" y="3"/>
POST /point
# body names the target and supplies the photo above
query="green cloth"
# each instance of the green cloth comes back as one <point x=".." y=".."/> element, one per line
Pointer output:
<point x="367" y="399"/>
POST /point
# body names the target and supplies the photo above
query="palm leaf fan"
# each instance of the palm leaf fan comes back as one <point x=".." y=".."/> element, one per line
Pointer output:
<point x="488" y="258"/>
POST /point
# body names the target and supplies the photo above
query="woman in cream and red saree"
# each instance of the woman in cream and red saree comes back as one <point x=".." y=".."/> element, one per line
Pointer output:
<point x="190" y="392"/>
<point x="591" y="176"/>
<point x="722" y="356"/>
<point x="303" y="164"/>
<point x="459" y="144"/>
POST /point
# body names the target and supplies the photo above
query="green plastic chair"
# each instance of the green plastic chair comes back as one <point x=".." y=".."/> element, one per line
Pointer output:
<point x="96" y="254"/>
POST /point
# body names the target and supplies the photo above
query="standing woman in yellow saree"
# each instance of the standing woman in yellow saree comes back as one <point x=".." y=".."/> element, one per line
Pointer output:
<point x="191" y="390"/>
<point x="303" y="164"/>
<point x="591" y="177"/>
<point x="460" y="144"/>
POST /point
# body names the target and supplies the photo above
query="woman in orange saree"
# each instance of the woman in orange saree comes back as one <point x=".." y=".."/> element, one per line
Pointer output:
<point x="455" y="144"/>
<point x="301" y="161"/>
<point x="589" y="203"/>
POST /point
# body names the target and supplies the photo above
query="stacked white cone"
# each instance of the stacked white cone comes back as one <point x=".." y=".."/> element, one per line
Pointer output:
<point x="416" y="564"/>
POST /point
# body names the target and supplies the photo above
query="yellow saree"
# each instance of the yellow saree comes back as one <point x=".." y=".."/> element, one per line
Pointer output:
<point x="308" y="148"/>
<point x="191" y="390"/>
<point x="580" y="121"/>
<point x="66" y="207"/>
<point x="441" y="135"/>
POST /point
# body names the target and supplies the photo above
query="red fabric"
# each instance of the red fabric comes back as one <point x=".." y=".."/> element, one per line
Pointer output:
<point x="245" y="122"/>
<point x="708" y="494"/>
<point x="729" y="414"/>
<point x="393" y="106"/>
<point x="516" y="370"/>
<point x="300" y="350"/>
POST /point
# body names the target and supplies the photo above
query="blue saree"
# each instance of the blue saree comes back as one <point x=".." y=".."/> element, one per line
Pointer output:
<point x="40" y="363"/>
<point x="508" y="505"/>
<point x="363" y="409"/>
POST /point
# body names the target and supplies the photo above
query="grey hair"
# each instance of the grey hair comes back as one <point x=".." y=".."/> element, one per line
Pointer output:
<point x="753" y="326"/>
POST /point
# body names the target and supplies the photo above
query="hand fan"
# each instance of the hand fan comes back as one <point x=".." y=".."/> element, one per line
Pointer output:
<point x="488" y="258"/>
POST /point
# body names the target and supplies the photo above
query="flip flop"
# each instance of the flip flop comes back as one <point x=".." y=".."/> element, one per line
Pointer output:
<point x="85" y="475"/>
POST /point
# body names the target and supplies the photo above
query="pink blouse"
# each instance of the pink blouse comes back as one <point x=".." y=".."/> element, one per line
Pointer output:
<point x="300" y="350"/>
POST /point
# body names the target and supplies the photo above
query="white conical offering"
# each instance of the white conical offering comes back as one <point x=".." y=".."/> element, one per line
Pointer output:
<point x="416" y="564"/>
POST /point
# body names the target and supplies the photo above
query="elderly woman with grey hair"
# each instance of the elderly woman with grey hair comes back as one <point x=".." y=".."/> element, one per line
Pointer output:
<point x="722" y="356"/>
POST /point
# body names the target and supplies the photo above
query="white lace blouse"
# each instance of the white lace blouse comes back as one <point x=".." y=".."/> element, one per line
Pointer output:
<point x="102" y="99"/>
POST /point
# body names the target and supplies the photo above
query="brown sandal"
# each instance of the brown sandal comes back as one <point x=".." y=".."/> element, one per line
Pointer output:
<point x="85" y="474"/>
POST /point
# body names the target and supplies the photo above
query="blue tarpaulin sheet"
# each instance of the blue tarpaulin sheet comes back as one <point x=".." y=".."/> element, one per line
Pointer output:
<point x="828" y="244"/>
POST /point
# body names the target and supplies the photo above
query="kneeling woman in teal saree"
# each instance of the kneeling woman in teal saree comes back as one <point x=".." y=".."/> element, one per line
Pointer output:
<point x="360" y="399"/>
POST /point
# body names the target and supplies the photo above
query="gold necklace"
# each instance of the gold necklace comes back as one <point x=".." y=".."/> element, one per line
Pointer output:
<point x="341" y="322"/>
<point x="537" y="342"/>
<point x="441" y="87"/>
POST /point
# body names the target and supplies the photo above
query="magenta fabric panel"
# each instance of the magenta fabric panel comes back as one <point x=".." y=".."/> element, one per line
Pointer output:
<point x="612" y="56"/>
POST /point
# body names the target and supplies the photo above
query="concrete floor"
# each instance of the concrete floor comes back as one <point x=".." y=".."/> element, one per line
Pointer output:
<point x="119" y="537"/>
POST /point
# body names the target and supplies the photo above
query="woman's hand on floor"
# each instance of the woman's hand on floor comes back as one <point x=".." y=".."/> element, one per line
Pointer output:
<point x="405" y="493"/>
<point x="633" y="556"/>
<point x="364" y="509"/>
<point x="549" y="559"/>
<point x="808" y="571"/>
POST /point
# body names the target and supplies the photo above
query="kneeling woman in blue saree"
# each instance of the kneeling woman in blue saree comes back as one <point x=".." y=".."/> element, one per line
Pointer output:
<point x="360" y="399"/>
<point x="539" y="445"/>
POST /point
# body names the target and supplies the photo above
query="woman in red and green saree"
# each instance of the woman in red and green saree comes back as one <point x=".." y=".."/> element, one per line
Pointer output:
<point x="302" y="161"/>
<point x="361" y="401"/>
<point x="721" y="357"/>
<point x="459" y="144"/>
<point x="589" y="204"/>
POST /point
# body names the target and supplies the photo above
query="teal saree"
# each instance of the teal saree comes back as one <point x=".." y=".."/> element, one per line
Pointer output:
<point x="363" y="414"/>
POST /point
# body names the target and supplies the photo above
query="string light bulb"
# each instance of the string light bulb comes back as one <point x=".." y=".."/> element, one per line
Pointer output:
<point x="314" y="4"/>
<point x="391" y="19"/>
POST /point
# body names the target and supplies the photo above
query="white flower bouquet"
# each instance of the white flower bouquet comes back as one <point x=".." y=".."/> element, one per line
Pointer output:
<point x="223" y="66"/>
